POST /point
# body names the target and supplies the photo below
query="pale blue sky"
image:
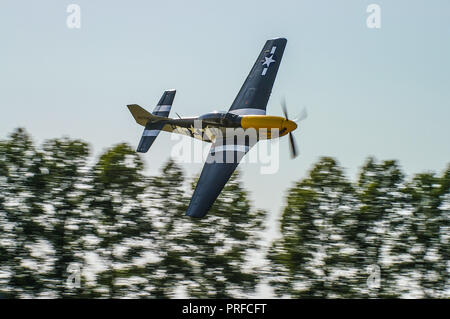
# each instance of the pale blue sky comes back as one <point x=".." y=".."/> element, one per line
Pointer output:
<point x="381" y="92"/>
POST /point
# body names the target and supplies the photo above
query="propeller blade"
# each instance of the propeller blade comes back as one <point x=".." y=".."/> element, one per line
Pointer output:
<point x="284" y="108"/>
<point x="293" y="146"/>
<point x="302" y="116"/>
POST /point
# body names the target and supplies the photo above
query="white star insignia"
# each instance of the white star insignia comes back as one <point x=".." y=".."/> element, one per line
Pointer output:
<point x="268" y="60"/>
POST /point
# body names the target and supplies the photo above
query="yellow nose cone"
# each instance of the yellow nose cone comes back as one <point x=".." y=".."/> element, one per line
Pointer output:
<point x="289" y="125"/>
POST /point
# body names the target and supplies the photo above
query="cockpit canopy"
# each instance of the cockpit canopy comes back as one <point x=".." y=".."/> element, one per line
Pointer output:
<point x="220" y="117"/>
<point x="213" y="115"/>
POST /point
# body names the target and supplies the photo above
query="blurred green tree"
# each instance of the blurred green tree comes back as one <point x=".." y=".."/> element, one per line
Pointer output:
<point x="168" y="268"/>
<point x="65" y="162"/>
<point x="315" y="256"/>
<point x="117" y="219"/>
<point x="428" y="231"/>
<point x="23" y="185"/>
<point x="4" y="231"/>
<point x="380" y="226"/>
<point x="221" y="246"/>
<point x="56" y="210"/>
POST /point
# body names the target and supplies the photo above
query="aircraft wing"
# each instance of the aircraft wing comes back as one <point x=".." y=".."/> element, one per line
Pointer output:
<point x="255" y="92"/>
<point x="223" y="158"/>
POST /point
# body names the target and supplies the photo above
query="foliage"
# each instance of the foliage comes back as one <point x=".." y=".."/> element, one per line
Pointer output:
<point x="128" y="235"/>
<point x="335" y="234"/>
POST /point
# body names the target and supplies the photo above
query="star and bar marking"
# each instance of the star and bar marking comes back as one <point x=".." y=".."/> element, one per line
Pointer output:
<point x="268" y="60"/>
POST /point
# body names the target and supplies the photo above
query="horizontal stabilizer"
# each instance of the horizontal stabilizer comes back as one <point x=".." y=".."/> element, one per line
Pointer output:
<point x="154" y="121"/>
<point x="165" y="103"/>
<point x="149" y="135"/>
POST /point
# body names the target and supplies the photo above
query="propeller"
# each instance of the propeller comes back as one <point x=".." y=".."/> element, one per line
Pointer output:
<point x="292" y="146"/>
<point x="303" y="115"/>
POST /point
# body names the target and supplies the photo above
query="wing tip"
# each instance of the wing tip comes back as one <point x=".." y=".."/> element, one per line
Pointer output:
<point x="195" y="212"/>
<point x="198" y="208"/>
<point x="279" y="39"/>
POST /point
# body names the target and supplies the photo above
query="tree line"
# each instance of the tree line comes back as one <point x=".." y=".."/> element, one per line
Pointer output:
<point x="71" y="227"/>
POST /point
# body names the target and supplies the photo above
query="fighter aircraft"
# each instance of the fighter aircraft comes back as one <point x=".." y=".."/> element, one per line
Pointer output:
<point x="246" y="114"/>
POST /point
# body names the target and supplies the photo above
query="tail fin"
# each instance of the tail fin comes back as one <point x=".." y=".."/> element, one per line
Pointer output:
<point x="153" y="122"/>
<point x="140" y="115"/>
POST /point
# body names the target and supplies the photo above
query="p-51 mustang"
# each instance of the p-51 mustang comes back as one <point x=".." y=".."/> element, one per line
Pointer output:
<point x="247" y="113"/>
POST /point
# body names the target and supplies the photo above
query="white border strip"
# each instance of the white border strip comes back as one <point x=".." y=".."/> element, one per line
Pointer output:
<point x="249" y="112"/>
<point x="150" y="132"/>
<point x="230" y="147"/>
<point x="162" y="108"/>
